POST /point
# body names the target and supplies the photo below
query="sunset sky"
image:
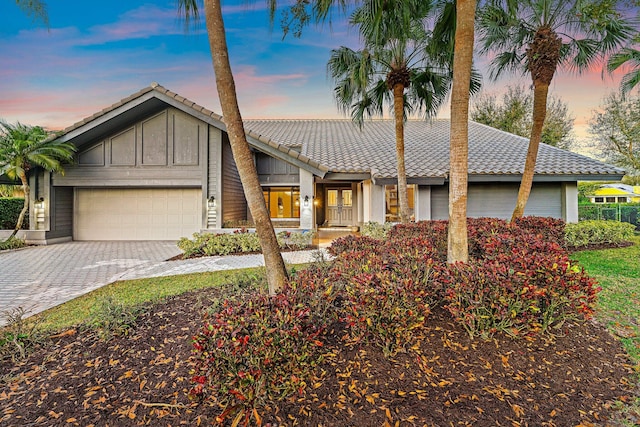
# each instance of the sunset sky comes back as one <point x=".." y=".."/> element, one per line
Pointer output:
<point x="96" y="53"/>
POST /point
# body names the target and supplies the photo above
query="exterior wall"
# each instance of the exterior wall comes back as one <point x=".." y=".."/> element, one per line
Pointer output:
<point x="61" y="220"/>
<point x="498" y="200"/>
<point x="307" y="220"/>
<point x="214" y="179"/>
<point x="166" y="149"/>
<point x="275" y="171"/>
<point x="234" y="205"/>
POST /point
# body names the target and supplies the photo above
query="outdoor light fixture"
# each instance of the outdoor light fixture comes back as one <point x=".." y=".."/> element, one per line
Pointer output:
<point x="306" y="201"/>
<point x="212" y="199"/>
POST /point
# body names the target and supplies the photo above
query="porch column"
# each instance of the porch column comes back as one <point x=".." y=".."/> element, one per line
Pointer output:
<point x="307" y="193"/>
<point x="570" y="202"/>
<point x="373" y="202"/>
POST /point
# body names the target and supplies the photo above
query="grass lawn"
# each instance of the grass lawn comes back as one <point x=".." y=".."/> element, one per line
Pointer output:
<point x="136" y="292"/>
<point x="618" y="273"/>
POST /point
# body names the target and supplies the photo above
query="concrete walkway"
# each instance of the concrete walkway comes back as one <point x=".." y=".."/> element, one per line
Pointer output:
<point x="38" y="278"/>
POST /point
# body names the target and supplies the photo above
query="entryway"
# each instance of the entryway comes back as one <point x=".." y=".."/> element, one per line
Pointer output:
<point x="339" y="207"/>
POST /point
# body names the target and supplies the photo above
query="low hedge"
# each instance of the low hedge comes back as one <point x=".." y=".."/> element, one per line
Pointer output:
<point x="10" y="208"/>
<point x="594" y="232"/>
<point x="239" y="242"/>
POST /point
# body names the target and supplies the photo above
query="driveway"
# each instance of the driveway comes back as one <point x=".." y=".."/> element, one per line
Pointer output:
<point x="41" y="277"/>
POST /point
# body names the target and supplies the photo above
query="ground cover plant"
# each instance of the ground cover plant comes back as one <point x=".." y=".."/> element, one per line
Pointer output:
<point x="372" y="338"/>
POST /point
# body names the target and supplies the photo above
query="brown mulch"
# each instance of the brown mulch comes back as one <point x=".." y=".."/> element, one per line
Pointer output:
<point x="447" y="380"/>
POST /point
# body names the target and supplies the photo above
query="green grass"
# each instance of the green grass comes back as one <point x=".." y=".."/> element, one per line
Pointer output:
<point x="136" y="292"/>
<point x="618" y="272"/>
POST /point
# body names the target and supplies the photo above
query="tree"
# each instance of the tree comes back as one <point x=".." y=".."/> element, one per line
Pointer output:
<point x="616" y="131"/>
<point x="275" y="268"/>
<point x="457" y="239"/>
<point x="36" y="9"/>
<point x="394" y="68"/>
<point x="540" y="36"/>
<point x="23" y="147"/>
<point x="626" y="56"/>
<point x="513" y="114"/>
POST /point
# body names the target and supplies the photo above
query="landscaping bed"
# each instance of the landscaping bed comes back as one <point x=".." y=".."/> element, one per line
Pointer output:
<point x="385" y="333"/>
<point x="144" y="378"/>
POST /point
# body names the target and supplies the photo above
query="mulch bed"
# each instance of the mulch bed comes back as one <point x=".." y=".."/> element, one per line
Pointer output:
<point x="447" y="379"/>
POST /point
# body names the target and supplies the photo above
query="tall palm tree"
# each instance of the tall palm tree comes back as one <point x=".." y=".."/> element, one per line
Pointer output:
<point x="275" y="267"/>
<point x="393" y="69"/>
<point x="457" y="239"/>
<point x="23" y="147"/>
<point x="626" y="56"/>
<point x="540" y="36"/>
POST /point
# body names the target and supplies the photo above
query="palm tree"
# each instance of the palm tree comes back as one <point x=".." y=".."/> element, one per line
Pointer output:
<point x="275" y="267"/>
<point x="393" y="69"/>
<point x="538" y="37"/>
<point x="36" y="9"/>
<point x="23" y="147"/>
<point x="457" y="239"/>
<point x="626" y="56"/>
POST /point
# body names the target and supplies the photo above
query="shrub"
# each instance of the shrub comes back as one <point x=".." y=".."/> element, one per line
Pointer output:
<point x="520" y="292"/>
<point x="110" y="317"/>
<point x="238" y="242"/>
<point x="375" y="230"/>
<point x="10" y="208"/>
<point x="296" y="240"/>
<point x="590" y="232"/>
<point x="19" y="337"/>
<point x="257" y="350"/>
<point x="383" y="303"/>
<point x="12" y="243"/>
<point x="352" y="243"/>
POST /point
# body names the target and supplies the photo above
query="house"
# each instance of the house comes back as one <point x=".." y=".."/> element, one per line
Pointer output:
<point x="616" y="193"/>
<point x="156" y="166"/>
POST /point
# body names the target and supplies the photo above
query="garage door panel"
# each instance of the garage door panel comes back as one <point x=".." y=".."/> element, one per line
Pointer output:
<point x="137" y="214"/>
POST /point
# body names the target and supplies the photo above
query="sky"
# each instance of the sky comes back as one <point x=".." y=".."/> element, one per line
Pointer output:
<point x="91" y="57"/>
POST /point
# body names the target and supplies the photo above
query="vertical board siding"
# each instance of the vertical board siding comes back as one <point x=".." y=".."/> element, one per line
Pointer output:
<point x="234" y="204"/>
<point x="63" y="210"/>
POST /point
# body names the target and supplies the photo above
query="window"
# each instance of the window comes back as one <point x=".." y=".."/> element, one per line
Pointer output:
<point x="282" y="202"/>
<point x="392" y="208"/>
<point x="598" y="200"/>
<point x="622" y="200"/>
<point x="611" y="199"/>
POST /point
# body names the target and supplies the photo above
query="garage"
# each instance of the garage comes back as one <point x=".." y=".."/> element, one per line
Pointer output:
<point x="136" y="214"/>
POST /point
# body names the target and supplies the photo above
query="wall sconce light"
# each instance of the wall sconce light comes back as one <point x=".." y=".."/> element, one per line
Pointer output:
<point x="306" y="201"/>
<point x="212" y="199"/>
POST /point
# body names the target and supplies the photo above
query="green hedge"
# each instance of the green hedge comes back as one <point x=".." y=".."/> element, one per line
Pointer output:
<point x="10" y="208"/>
<point x="585" y="233"/>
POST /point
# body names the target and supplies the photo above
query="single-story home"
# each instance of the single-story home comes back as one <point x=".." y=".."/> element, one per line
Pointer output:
<point x="156" y="166"/>
<point x="616" y="193"/>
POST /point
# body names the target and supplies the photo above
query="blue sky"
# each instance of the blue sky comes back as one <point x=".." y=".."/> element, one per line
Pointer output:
<point x="91" y="57"/>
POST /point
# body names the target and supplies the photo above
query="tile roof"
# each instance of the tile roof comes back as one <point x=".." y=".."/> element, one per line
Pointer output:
<point x="341" y="146"/>
<point x="344" y="147"/>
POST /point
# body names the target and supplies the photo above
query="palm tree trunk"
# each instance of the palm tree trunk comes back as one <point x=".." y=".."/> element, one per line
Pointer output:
<point x="540" y="92"/>
<point x="458" y="245"/>
<point x="398" y="111"/>
<point x="25" y="207"/>
<point x="276" y="270"/>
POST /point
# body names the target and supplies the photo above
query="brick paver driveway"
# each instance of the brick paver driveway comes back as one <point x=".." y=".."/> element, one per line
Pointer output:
<point x="38" y="278"/>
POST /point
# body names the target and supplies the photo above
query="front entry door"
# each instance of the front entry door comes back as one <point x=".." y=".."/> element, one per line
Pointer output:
<point x="340" y="206"/>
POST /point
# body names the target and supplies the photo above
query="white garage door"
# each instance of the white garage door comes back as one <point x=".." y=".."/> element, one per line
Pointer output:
<point x="137" y="214"/>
